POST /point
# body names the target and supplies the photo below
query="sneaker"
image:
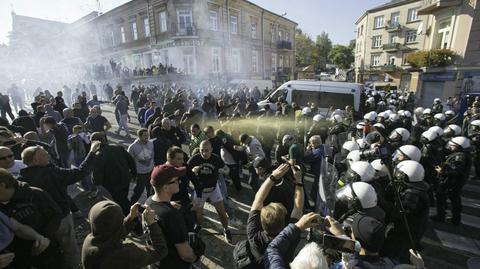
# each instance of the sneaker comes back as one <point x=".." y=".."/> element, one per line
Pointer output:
<point x="228" y="236"/>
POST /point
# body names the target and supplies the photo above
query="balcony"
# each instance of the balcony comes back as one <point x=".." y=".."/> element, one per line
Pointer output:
<point x="431" y="6"/>
<point x="383" y="68"/>
<point x="393" y="27"/>
<point x="183" y="30"/>
<point x="284" y="45"/>
<point x="391" y="47"/>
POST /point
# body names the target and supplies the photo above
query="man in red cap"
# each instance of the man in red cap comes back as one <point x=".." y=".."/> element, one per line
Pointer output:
<point x="164" y="180"/>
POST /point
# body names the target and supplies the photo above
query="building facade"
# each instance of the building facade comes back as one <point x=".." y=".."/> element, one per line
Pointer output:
<point x="385" y="37"/>
<point x="388" y="33"/>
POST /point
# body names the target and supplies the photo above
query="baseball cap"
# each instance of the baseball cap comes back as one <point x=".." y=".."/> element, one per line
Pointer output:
<point x="162" y="174"/>
<point x="369" y="232"/>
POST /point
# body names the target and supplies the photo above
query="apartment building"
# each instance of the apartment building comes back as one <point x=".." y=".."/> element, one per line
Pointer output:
<point x="455" y="25"/>
<point x="213" y="39"/>
<point x="388" y="33"/>
<point x="385" y="36"/>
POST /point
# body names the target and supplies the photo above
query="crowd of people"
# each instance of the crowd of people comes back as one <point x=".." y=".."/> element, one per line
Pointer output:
<point x="117" y="70"/>
<point x="383" y="167"/>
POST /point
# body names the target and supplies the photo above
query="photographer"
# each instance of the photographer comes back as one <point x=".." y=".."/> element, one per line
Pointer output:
<point x="265" y="222"/>
<point x="277" y="255"/>
<point x="104" y="247"/>
<point x="377" y="148"/>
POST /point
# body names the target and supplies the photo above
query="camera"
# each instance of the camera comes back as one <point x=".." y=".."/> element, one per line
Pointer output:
<point x="374" y="153"/>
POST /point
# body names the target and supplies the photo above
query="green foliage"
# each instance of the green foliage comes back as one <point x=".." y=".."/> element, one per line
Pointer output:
<point x="341" y="56"/>
<point x="303" y="48"/>
<point x="431" y="58"/>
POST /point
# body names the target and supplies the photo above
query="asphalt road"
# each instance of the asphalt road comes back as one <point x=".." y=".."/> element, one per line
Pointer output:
<point x="445" y="246"/>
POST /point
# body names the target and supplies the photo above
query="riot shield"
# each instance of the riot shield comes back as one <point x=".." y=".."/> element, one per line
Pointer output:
<point x="327" y="187"/>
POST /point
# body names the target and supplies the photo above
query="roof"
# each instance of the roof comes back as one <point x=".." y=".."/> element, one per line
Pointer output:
<point x="33" y="20"/>
<point x="392" y="3"/>
<point x="130" y="2"/>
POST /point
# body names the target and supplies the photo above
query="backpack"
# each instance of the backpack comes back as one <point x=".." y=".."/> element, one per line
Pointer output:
<point x="242" y="257"/>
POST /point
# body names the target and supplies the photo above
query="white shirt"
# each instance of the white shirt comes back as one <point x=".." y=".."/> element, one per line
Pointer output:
<point x="254" y="149"/>
<point x="15" y="169"/>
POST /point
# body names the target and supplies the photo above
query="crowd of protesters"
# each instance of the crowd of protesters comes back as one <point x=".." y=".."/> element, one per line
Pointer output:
<point x="117" y="70"/>
<point x="383" y="168"/>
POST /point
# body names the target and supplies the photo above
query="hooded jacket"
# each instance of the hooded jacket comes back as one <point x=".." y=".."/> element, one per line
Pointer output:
<point x="104" y="247"/>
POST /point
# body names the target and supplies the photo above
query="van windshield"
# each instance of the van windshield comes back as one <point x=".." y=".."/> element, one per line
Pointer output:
<point x="275" y="94"/>
<point x="322" y="99"/>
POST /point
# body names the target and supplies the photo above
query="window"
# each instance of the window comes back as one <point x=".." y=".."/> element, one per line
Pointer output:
<point x="274" y="62"/>
<point x="185" y="22"/>
<point x="215" y="60"/>
<point x="146" y="24"/>
<point x="443" y="34"/>
<point x="254" y="30"/>
<point x="412" y="15"/>
<point x="377" y="41"/>
<point x="112" y="36"/>
<point x="378" y="22"/>
<point x="287" y="61"/>
<point x="375" y="60"/>
<point x="272" y="32"/>
<point x="233" y="24"/>
<point x="254" y="61"/>
<point x="404" y="59"/>
<point x="188" y="61"/>
<point x="213" y="20"/>
<point x="162" y="17"/>
<point x="393" y="39"/>
<point x="361" y="30"/>
<point x="280" y="61"/>
<point x="410" y="36"/>
<point x="395" y="19"/>
<point x="391" y="60"/>
<point x="287" y="36"/>
<point x="122" y="33"/>
<point x="235" y="60"/>
<point x="280" y="35"/>
<point x="134" y="31"/>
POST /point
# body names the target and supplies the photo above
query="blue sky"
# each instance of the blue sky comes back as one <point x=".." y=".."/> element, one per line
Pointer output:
<point x="336" y="17"/>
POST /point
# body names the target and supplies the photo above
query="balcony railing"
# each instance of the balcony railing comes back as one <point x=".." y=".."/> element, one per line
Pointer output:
<point x="183" y="30"/>
<point x="285" y="45"/>
<point x="391" y="47"/>
<point x="430" y="6"/>
<point x="393" y="26"/>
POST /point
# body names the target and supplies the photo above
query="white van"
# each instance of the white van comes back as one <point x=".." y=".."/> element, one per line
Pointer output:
<point x="324" y="93"/>
<point x="250" y="83"/>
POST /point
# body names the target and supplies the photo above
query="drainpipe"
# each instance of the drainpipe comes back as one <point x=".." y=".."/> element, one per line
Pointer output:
<point x="263" y="47"/>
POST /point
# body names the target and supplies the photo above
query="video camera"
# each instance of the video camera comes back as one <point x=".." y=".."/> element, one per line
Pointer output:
<point x="374" y="153"/>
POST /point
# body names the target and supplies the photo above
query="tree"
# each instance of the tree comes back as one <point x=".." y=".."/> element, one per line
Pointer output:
<point x="431" y="58"/>
<point x="303" y="48"/>
<point x="341" y="56"/>
<point x="323" y="45"/>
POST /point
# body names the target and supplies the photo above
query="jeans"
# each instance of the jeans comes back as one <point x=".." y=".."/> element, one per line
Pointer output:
<point x="123" y="124"/>
<point x="65" y="236"/>
<point x="223" y="190"/>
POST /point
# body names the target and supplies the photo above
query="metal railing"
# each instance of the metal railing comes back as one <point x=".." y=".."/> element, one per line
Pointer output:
<point x="283" y="44"/>
<point x="181" y="29"/>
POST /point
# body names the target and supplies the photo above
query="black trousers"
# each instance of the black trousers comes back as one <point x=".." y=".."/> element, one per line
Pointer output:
<point x="143" y="183"/>
<point x="454" y="194"/>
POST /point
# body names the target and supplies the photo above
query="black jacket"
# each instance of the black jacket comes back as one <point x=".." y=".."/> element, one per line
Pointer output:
<point x="114" y="168"/>
<point x="34" y="207"/>
<point x="54" y="180"/>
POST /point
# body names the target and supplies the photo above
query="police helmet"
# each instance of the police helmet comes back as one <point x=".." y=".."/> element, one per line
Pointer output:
<point x="437" y="130"/>
<point x="401" y="133"/>
<point x="350" y="146"/>
<point x="410" y="152"/>
<point x="460" y="141"/>
<point x="454" y="129"/>
<point x="318" y="118"/>
<point x="353" y="156"/>
<point x="364" y="170"/>
<point x="439" y="116"/>
<point x="361" y="194"/>
<point x="409" y="171"/>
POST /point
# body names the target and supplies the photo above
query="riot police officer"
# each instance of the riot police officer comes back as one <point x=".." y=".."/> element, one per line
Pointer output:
<point x="437" y="106"/>
<point x="453" y="174"/>
<point x="411" y="198"/>
<point x="474" y="135"/>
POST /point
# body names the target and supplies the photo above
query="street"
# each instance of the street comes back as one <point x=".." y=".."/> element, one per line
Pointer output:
<point x="445" y="246"/>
